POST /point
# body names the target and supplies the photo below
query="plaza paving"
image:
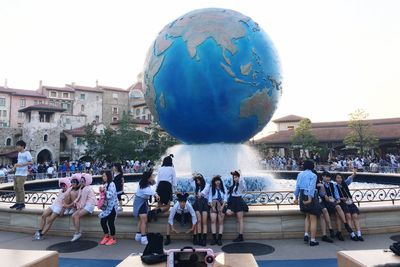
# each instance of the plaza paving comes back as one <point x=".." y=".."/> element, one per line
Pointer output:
<point x="288" y="252"/>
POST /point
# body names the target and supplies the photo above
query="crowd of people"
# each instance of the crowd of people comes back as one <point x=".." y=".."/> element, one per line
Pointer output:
<point x="389" y="163"/>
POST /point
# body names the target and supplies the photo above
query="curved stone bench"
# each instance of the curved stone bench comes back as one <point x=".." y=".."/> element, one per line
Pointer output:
<point x="260" y="223"/>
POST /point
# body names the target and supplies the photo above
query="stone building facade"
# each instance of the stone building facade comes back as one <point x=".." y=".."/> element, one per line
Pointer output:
<point x="115" y="104"/>
<point x="88" y="101"/>
<point x="62" y="97"/>
<point x="5" y="107"/>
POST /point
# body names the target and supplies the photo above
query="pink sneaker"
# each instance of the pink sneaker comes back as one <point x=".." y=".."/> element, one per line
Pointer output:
<point x="105" y="239"/>
<point x="111" y="241"/>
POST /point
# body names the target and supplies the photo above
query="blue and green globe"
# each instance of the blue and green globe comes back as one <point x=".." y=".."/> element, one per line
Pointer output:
<point x="212" y="76"/>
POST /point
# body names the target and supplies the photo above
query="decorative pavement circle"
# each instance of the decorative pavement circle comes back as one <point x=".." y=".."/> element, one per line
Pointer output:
<point x="69" y="247"/>
<point x="257" y="249"/>
<point x="395" y="238"/>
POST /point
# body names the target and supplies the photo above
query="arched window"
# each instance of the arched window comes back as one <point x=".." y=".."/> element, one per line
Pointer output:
<point x="45" y="138"/>
<point x="8" y="142"/>
<point x="82" y="108"/>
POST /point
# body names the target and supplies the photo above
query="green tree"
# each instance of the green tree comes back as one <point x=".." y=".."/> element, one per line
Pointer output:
<point x="303" y="138"/>
<point x="91" y="140"/>
<point x="106" y="145"/>
<point x="360" y="136"/>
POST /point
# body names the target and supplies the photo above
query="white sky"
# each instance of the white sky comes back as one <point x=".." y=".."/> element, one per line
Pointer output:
<point x="336" y="55"/>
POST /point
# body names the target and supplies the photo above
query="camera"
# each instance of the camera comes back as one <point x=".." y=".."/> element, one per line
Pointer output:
<point x="189" y="256"/>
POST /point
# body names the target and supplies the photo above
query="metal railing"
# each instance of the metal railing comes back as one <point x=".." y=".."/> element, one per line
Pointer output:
<point x="256" y="198"/>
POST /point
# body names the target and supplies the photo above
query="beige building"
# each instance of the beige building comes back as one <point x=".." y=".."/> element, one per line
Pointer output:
<point x="61" y="97"/>
<point x="5" y="107"/>
<point x="115" y="103"/>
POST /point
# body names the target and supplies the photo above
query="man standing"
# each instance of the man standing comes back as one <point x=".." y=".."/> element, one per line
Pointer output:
<point x="21" y="172"/>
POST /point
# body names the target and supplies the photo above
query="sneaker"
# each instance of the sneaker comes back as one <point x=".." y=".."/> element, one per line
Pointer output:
<point x="111" y="241"/>
<point x="20" y="207"/>
<point x="143" y="240"/>
<point x="339" y="236"/>
<point x="38" y="237"/>
<point x="306" y="239"/>
<point x="314" y="243"/>
<point x="14" y="206"/>
<point x="331" y="233"/>
<point x="66" y="212"/>
<point x="105" y="240"/>
<point x="138" y="237"/>
<point x="327" y="239"/>
<point x="76" y="236"/>
<point x="360" y="238"/>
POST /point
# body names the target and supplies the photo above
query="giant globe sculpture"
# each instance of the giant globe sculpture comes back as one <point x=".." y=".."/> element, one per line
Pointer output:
<point x="212" y="76"/>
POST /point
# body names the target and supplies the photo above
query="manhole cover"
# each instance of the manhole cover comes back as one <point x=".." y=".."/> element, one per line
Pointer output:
<point x="69" y="247"/>
<point x="256" y="249"/>
<point x="395" y="238"/>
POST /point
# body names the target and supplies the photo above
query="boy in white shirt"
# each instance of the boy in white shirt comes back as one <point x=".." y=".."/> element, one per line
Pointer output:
<point x="21" y="172"/>
<point x="182" y="211"/>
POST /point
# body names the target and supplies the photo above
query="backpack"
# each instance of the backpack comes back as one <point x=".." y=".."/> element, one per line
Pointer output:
<point x="102" y="201"/>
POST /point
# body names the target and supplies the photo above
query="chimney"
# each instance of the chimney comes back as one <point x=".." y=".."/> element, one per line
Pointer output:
<point x="97" y="83"/>
<point x="40" y="84"/>
<point x="5" y="83"/>
<point x="73" y="84"/>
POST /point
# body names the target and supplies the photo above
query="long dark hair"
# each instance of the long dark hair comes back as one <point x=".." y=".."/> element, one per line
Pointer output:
<point x="144" y="181"/>
<point x="199" y="177"/>
<point x="234" y="185"/>
<point x="109" y="177"/>
<point x="167" y="161"/>
<point x="213" y="186"/>
<point x="118" y="167"/>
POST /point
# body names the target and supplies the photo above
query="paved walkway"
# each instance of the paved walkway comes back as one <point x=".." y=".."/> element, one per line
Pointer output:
<point x="285" y="249"/>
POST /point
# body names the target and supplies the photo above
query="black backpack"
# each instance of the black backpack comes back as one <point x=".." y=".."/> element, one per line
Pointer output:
<point x="395" y="247"/>
<point x="154" y="251"/>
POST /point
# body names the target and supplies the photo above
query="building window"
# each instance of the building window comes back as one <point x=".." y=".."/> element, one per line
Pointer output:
<point x="144" y="110"/>
<point x="101" y="131"/>
<point x="143" y="117"/>
<point x="53" y="94"/>
<point x="22" y="103"/>
<point x="82" y="108"/>
<point x="19" y="125"/>
<point x="114" y="111"/>
<point x="290" y="127"/>
<point x="149" y="117"/>
<point x="115" y="95"/>
<point x="78" y="141"/>
<point x="4" y="113"/>
<point x="2" y="102"/>
<point x="65" y="105"/>
<point x="68" y="121"/>
<point x="35" y="102"/>
<point x="65" y="95"/>
<point x="83" y="97"/>
<point x="40" y="102"/>
<point x="137" y="111"/>
<point x="8" y="142"/>
<point x="138" y="118"/>
<point x="97" y="98"/>
<point x="114" y="119"/>
<point x="44" y="117"/>
<point x="45" y="138"/>
<point x="97" y="118"/>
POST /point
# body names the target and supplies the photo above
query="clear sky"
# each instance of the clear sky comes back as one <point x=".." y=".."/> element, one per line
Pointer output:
<point x="336" y="55"/>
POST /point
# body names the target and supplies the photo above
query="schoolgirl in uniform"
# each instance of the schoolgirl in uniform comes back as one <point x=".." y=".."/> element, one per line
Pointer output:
<point x="201" y="191"/>
<point x="217" y="199"/>
<point x="306" y="196"/>
<point x="141" y="205"/>
<point x="331" y="200"/>
<point x="236" y="204"/>
<point x="166" y="186"/>
<point x="346" y="202"/>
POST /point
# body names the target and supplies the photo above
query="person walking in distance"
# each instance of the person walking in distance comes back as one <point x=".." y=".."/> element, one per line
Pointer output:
<point x="21" y="172"/>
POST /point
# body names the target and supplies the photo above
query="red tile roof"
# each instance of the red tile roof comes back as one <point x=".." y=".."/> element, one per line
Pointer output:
<point x="110" y="88"/>
<point x="383" y="129"/>
<point x="289" y="118"/>
<point x="84" y="88"/>
<point x="80" y="131"/>
<point x="135" y="121"/>
<point x="54" y="88"/>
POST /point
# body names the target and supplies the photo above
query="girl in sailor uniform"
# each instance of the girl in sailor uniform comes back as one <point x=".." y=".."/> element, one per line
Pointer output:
<point x="236" y="204"/>
<point x="346" y="202"/>
<point x="201" y="191"/>
<point x="217" y="199"/>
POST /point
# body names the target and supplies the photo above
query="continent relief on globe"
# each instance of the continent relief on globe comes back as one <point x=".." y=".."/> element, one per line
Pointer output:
<point x="224" y="27"/>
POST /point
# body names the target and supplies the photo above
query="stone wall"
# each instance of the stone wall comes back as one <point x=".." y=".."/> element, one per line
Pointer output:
<point x="114" y="99"/>
<point x="92" y="105"/>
